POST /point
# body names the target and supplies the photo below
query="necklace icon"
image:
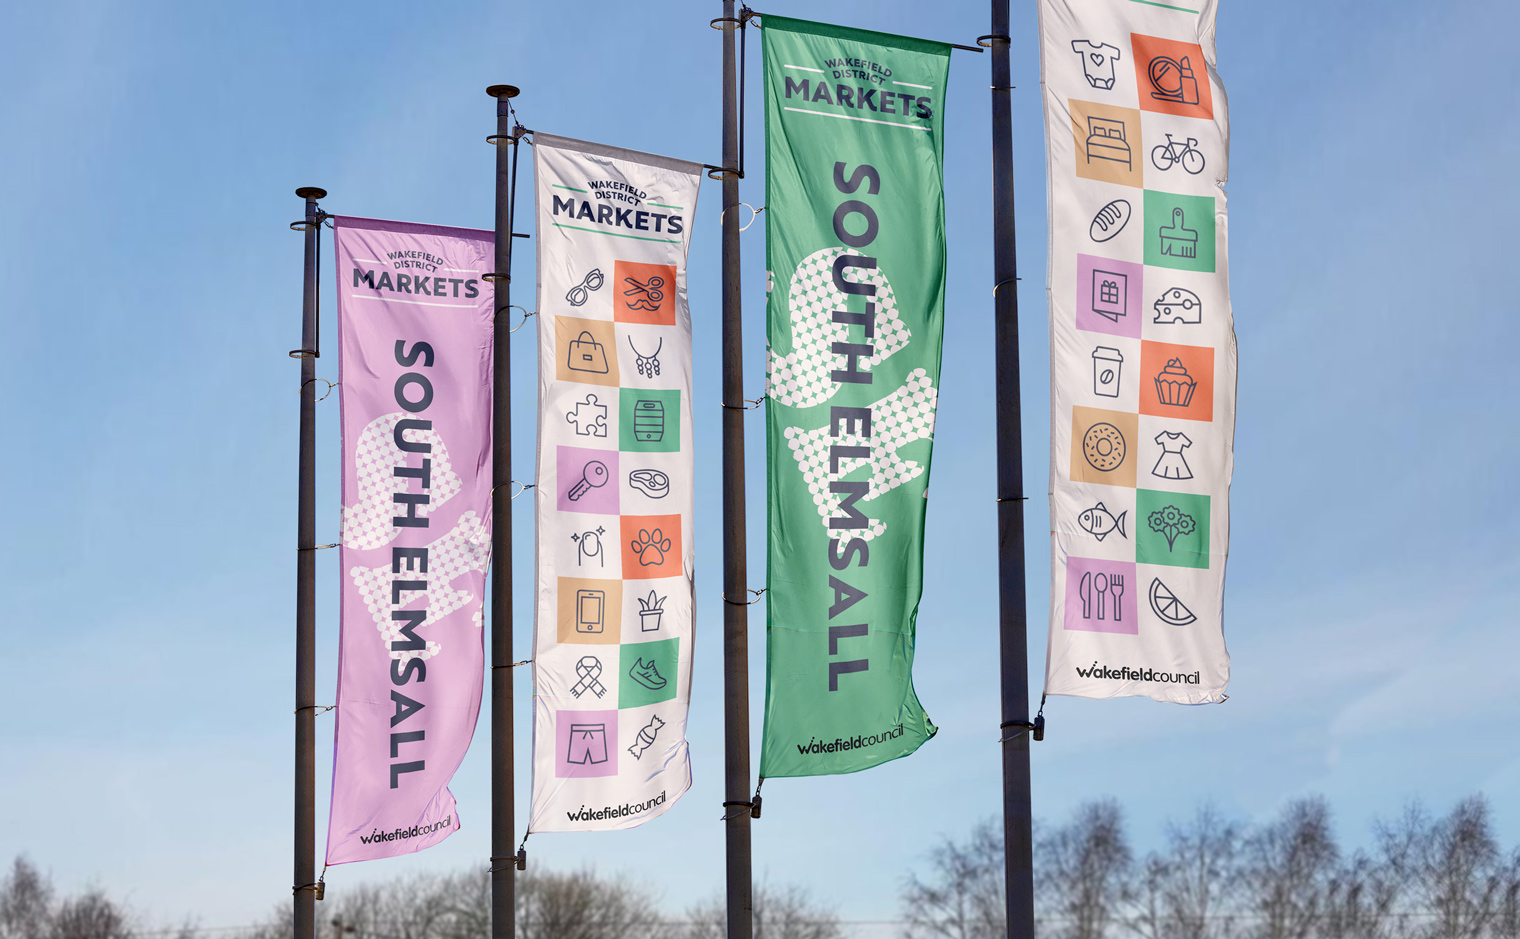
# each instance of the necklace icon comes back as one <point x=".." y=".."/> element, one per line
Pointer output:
<point x="649" y="365"/>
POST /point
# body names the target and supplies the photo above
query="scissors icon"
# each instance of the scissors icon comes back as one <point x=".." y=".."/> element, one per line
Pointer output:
<point x="649" y="295"/>
<point x="581" y="292"/>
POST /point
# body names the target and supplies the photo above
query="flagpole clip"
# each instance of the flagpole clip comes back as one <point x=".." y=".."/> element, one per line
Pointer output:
<point x="1035" y="728"/>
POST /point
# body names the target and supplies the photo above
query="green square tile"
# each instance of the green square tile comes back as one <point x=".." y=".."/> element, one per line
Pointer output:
<point x="1179" y="231"/>
<point x="649" y="421"/>
<point x="647" y="672"/>
<point x="1171" y="528"/>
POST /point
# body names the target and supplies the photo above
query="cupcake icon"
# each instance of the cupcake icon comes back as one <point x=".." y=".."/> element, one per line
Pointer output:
<point x="1174" y="385"/>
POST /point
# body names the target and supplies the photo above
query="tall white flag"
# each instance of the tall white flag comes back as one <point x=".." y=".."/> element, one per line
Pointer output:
<point x="1142" y="347"/>
<point x="613" y="631"/>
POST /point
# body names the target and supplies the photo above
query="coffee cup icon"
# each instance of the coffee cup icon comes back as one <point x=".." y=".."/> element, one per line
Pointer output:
<point x="1106" y="365"/>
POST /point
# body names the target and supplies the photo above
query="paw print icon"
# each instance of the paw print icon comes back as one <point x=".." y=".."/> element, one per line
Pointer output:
<point x="650" y="547"/>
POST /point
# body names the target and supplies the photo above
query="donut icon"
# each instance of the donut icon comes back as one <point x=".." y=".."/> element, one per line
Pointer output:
<point x="1104" y="447"/>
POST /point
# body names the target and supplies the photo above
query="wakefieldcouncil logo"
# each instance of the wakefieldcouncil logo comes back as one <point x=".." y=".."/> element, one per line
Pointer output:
<point x="416" y="831"/>
<point x="615" y="811"/>
<point x="841" y="744"/>
<point x="1137" y="674"/>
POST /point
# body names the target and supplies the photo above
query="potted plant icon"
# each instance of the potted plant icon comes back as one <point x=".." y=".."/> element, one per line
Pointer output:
<point x="651" y="608"/>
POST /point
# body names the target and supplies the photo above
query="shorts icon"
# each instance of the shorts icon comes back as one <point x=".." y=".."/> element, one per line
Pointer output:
<point x="588" y="744"/>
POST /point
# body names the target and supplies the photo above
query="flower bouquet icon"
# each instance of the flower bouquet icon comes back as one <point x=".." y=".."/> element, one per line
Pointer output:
<point x="651" y="609"/>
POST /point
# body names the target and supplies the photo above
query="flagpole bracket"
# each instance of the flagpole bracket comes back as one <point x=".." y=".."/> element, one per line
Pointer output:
<point x="986" y="41"/>
<point x="1035" y="728"/>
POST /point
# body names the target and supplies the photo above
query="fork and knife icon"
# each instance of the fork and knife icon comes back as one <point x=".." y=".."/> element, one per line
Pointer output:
<point x="1098" y="586"/>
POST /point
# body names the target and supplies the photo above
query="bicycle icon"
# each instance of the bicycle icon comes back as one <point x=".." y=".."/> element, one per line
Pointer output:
<point x="1166" y="155"/>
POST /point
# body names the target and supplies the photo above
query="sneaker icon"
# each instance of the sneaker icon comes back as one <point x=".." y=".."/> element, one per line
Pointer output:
<point x="647" y="675"/>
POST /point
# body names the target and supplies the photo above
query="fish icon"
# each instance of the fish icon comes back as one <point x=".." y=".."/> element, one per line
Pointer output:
<point x="1098" y="521"/>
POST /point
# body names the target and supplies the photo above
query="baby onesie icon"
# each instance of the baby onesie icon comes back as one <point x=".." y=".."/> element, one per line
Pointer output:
<point x="588" y="744"/>
<point x="1172" y="464"/>
<point x="1097" y="62"/>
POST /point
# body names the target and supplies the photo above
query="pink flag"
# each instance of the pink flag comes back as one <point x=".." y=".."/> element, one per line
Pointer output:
<point x="414" y="326"/>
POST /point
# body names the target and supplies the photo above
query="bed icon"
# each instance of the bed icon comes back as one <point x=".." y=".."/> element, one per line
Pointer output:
<point x="1106" y="141"/>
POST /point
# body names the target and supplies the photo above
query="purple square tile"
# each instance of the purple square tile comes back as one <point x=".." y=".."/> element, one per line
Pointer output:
<point x="588" y="480"/>
<point x="1089" y="609"/>
<point x="585" y="744"/>
<point x="1108" y="296"/>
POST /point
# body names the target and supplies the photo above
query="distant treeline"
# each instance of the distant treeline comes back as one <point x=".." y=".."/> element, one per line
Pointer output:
<point x="1423" y="877"/>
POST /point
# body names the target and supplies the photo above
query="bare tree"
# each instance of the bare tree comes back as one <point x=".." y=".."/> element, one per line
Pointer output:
<point x="26" y="900"/>
<point x="89" y="916"/>
<point x="28" y="910"/>
<point x="786" y="912"/>
<point x="1450" y="868"/>
<point x="580" y="905"/>
<point x="1189" y="889"/>
<point x="963" y="897"/>
<point x="1361" y="901"/>
<point x="1507" y="920"/>
<point x="1083" y="869"/>
<point x="1289" y="866"/>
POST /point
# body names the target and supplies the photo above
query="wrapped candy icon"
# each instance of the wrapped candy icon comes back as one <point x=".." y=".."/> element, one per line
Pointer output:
<point x="646" y="736"/>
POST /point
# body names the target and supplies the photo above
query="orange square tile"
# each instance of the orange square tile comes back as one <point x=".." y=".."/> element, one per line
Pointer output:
<point x="651" y="546"/>
<point x="644" y="293"/>
<point x="1177" y="381"/>
<point x="1172" y="77"/>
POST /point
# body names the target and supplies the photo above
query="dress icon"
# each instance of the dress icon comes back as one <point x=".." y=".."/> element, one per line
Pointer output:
<point x="1172" y="464"/>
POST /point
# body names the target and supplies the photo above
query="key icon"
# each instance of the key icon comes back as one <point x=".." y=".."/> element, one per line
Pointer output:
<point x="593" y="476"/>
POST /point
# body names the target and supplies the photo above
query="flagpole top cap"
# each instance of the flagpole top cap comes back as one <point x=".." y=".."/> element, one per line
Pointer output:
<point x="311" y="192"/>
<point x="503" y="91"/>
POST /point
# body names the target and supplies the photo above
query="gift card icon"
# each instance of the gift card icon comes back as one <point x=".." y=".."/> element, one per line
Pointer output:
<point x="1110" y="292"/>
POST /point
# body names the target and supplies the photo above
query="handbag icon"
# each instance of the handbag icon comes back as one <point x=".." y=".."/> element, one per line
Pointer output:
<point x="587" y="355"/>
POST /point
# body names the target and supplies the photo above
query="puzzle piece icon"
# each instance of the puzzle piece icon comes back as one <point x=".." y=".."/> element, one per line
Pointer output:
<point x="589" y="418"/>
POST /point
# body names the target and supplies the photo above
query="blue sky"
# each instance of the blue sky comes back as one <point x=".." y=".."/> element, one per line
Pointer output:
<point x="152" y="290"/>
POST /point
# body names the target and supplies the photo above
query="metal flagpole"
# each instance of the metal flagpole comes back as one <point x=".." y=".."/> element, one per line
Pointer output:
<point x="305" y="882"/>
<point x="503" y="896"/>
<point x="735" y="578"/>
<point x="1012" y="615"/>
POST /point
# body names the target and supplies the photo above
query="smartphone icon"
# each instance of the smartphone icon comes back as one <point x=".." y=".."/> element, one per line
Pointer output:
<point x="590" y="607"/>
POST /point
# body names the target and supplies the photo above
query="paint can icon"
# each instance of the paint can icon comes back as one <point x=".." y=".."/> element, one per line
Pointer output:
<point x="1106" y="365"/>
<point x="649" y="421"/>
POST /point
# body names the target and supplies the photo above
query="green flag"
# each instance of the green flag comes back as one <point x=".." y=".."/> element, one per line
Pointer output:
<point x="855" y="252"/>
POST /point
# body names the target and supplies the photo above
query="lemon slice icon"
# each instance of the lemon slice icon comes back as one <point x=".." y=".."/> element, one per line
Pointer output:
<point x="1168" y="607"/>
